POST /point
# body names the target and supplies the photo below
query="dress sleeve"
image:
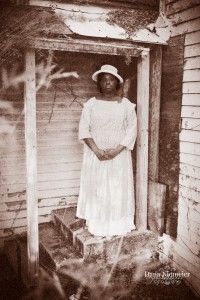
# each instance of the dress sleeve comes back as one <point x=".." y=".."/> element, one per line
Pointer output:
<point x="84" y="124"/>
<point x="131" y="127"/>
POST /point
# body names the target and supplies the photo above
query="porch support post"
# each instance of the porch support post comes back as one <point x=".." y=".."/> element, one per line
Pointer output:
<point x="31" y="165"/>
<point x="155" y="96"/>
<point x="143" y="69"/>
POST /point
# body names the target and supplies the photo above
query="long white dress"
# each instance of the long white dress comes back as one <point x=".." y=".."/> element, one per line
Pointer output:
<point x="106" y="198"/>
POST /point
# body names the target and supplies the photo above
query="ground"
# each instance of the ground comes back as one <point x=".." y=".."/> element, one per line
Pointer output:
<point x="10" y="286"/>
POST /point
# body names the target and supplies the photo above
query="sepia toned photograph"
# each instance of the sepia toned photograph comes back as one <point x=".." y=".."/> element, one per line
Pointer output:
<point x="100" y="149"/>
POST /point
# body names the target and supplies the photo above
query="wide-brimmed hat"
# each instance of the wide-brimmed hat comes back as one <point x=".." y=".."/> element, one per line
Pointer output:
<point x="107" y="69"/>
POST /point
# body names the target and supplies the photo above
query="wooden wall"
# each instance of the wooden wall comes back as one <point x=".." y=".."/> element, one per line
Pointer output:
<point x="185" y="250"/>
<point x="59" y="153"/>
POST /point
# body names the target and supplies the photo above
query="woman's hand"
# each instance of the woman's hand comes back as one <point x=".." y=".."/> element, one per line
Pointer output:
<point x="101" y="154"/>
<point x="111" y="153"/>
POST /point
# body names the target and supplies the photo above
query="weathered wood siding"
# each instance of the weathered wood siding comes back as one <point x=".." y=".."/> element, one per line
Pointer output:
<point x="59" y="154"/>
<point x="185" y="249"/>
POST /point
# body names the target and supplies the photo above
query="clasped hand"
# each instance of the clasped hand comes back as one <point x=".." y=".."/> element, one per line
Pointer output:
<point x="107" y="154"/>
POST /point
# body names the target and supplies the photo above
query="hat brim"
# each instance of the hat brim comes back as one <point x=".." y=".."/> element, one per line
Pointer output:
<point x="95" y="75"/>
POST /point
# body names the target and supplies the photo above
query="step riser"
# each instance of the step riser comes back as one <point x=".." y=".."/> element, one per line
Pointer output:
<point x="136" y="244"/>
<point x="108" y="250"/>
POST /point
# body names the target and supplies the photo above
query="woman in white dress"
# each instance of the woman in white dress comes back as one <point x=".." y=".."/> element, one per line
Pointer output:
<point x="108" y="128"/>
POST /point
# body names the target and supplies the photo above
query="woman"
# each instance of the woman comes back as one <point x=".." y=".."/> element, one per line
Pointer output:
<point x="108" y="128"/>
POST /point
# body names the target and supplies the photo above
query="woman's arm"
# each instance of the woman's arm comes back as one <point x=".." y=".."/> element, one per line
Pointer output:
<point x="111" y="153"/>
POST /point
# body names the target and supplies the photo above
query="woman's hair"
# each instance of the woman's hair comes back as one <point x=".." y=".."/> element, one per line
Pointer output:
<point x="99" y="77"/>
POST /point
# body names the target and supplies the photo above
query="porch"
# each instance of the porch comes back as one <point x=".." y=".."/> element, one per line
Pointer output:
<point x="146" y="57"/>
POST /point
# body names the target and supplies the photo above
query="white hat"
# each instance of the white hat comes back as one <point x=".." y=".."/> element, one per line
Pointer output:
<point x="107" y="69"/>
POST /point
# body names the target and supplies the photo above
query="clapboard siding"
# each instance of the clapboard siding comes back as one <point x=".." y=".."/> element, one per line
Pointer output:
<point x="192" y="38"/>
<point x="191" y="63"/>
<point x="189" y="170"/>
<point x="185" y="249"/>
<point x="180" y="5"/>
<point x="192" y="124"/>
<point x="186" y="27"/>
<point x="189" y="147"/>
<point x="186" y="15"/>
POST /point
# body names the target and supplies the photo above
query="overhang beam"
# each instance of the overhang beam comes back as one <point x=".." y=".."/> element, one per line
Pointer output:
<point x="88" y="46"/>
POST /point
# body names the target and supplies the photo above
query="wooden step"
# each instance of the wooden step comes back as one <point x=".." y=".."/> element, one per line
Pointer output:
<point x="54" y="250"/>
<point x="133" y="246"/>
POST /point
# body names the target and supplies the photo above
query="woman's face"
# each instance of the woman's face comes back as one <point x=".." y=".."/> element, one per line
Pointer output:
<point x="108" y="83"/>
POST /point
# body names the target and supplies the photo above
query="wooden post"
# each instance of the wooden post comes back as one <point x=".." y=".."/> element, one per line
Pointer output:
<point x="156" y="191"/>
<point x="154" y="122"/>
<point x="142" y="140"/>
<point x="31" y="165"/>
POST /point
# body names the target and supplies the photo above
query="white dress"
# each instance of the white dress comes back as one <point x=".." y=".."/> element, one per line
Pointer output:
<point x="106" y="198"/>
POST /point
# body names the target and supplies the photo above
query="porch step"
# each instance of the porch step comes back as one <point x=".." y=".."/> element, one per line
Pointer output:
<point x="54" y="251"/>
<point x="132" y="246"/>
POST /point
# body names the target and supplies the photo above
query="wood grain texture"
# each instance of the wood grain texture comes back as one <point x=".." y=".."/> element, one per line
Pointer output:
<point x="191" y="63"/>
<point x="156" y="206"/>
<point x="142" y="141"/>
<point x="186" y="27"/>
<point x="31" y="165"/>
<point x="192" y="50"/>
<point x="192" y="38"/>
<point x="154" y="116"/>
<point x="186" y="15"/>
<point x="180" y="5"/>
<point x="190" y="148"/>
<point x="189" y="170"/>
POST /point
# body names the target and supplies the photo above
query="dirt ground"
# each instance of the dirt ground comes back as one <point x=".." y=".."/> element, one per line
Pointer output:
<point x="144" y="289"/>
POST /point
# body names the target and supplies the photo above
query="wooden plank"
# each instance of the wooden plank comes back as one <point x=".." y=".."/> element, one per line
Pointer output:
<point x="73" y="191"/>
<point x="192" y="38"/>
<point x="186" y="27"/>
<point x="86" y="46"/>
<point x="8" y="224"/>
<point x="190" y="99"/>
<point x="191" y="75"/>
<point x="187" y="255"/>
<point x="154" y="118"/>
<point x="186" y="265"/>
<point x="188" y="193"/>
<point x="189" y="182"/>
<point x="143" y="69"/>
<point x="182" y="249"/>
<point x="156" y="206"/>
<point x="186" y="15"/>
<point x="6" y="216"/>
<point x="56" y="150"/>
<point x="193" y="160"/>
<point x="184" y="242"/>
<point x="31" y="166"/>
<point x="191" y="87"/>
<point x="44" y="185"/>
<point x="180" y="5"/>
<point x="193" y="205"/>
<point x="192" y="50"/>
<point x="191" y="63"/>
<point x="192" y="281"/>
<point x="59" y="201"/>
<point x="54" y="167"/>
<point x="62" y="192"/>
<point x="44" y="159"/>
<point x="190" y="112"/>
<point x="190" y="124"/>
<point x="182" y="230"/>
<point x="49" y="134"/>
<point x="190" y="170"/>
<point x="190" y="148"/>
<point x="189" y="136"/>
